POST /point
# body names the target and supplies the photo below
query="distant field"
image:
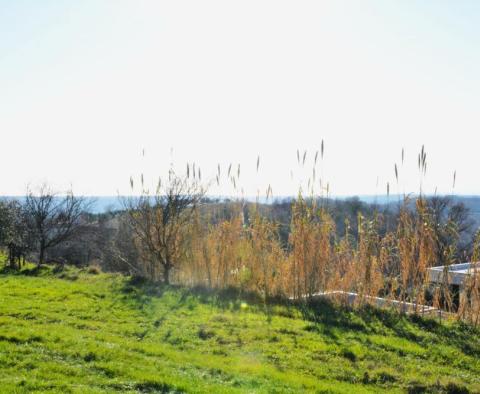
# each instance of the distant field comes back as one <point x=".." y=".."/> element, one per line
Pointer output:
<point x="77" y="332"/>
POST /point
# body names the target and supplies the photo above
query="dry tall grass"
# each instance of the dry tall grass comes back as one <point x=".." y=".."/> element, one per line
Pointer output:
<point x="240" y="247"/>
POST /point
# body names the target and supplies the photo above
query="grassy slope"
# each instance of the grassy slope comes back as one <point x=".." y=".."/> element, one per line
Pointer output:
<point x="78" y="332"/>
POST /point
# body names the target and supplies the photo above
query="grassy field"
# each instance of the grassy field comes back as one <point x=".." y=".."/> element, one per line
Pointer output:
<point x="75" y="331"/>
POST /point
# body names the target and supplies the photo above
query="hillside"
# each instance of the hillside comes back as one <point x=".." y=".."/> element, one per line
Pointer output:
<point x="81" y="332"/>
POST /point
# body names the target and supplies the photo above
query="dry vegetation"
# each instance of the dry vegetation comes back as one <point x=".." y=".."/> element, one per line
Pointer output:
<point x="242" y="247"/>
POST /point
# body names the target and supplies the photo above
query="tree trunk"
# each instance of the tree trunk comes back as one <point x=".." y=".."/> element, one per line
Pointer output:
<point x="11" y="258"/>
<point x="166" y="273"/>
<point x="41" y="258"/>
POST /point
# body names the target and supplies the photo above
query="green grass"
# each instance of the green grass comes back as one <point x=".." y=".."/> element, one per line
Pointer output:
<point x="74" y="331"/>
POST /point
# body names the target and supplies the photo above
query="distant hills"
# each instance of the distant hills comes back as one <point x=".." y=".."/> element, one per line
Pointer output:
<point x="102" y="204"/>
<point x="471" y="202"/>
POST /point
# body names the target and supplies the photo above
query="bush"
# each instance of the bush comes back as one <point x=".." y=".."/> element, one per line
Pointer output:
<point x="94" y="270"/>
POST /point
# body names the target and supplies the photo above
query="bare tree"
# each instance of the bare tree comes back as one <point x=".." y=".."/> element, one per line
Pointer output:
<point x="453" y="229"/>
<point x="6" y="222"/>
<point x="53" y="218"/>
<point x="14" y="231"/>
<point x="115" y="244"/>
<point x="161" y="223"/>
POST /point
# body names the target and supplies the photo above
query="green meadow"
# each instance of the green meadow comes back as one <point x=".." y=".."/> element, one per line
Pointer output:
<point x="80" y="331"/>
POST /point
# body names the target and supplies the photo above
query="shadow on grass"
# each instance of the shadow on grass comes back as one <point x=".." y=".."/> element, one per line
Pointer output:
<point x="324" y="316"/>
<point x="140" y="292"/>
<point x="60" y="271"/>
<point x="464" y="337"/>
<point x="29" y="270"/>
<point x="328" y="317"/>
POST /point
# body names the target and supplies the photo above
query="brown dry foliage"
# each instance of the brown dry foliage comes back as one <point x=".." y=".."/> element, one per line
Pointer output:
<point x="225" y="249"/>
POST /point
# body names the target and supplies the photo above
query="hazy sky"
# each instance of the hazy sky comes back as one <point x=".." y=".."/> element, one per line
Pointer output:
<point x="86" y="85"/>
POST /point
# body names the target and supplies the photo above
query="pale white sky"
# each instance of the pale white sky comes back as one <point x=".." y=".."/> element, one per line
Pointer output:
<point x="86" y="85"/>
